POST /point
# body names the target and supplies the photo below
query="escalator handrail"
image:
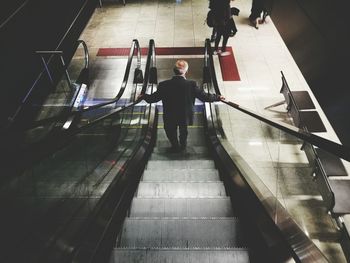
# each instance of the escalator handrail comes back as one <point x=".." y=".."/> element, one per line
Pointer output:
<point x="337" y="149"/>
<point x="209" y="63"/>
<point x="86" y="53"/>
<point x="151" y="59"/>
<point x="108" y="115"/>
<point x="135" y="46"/>
<point x="73" y="130"/>
<point x="151" y="56"/>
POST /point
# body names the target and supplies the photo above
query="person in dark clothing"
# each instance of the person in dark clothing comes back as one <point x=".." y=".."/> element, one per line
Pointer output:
<point x="178" y="96"/>
<point x="222" y="15"/>
<point x="257" y="9"/>
<point x="213" y="33"/>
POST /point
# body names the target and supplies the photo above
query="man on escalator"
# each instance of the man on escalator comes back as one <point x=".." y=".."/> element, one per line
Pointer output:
<point x="178" y="96"/>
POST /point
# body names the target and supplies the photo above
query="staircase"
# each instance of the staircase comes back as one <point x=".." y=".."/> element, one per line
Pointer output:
<point x="180" y="212"/>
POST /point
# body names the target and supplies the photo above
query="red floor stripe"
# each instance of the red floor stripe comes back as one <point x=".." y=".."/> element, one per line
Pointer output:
<point x="159" y="50"/>
<point x="228" y="65"/>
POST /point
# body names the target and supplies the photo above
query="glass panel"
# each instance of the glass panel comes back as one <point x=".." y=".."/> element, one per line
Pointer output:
<point x="277" y="161"/>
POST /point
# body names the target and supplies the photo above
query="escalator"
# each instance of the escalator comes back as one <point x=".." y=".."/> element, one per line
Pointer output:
<point x="106" y="197"/>
<point x="201" y="206"/>
<point x="181" y="212"/>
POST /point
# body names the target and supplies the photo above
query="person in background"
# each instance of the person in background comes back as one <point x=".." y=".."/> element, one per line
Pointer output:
<point x="222" y="15"/>
<point x="258" y="9"/>
<point x="213" y="34"/>
<point x="178" y="96"/>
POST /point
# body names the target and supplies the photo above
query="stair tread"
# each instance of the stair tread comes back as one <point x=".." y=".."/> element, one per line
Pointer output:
<point x="181" y="175"/>
<point x="180" y="164"/>
<point x="182" y="233"/>
<point x="181" y="207"/>
<point x="160" y="255"/>
<point x="181" y="189"/>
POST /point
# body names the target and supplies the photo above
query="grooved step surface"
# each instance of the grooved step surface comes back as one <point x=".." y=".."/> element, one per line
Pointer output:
<point x="182" y="190"/>
<point x="180" y="256"/>
<point x="199" y="175"/>
<point x="191" y="150"/>
<point x="180" y="164"/>
<point x="181" y="233"/>
<point x="181" y="207"/>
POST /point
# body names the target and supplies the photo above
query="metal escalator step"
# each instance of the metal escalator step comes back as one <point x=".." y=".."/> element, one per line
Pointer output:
<point x="180" y="164"/>
<point x="188" y="154"/>
<point x="181" y="233"/>
<point x="181" y="175"/>
<point x="181" y="207"/>
<point x="191" y="149"/>
<point x="181" y="189"/>
<point x="237" y="255"/>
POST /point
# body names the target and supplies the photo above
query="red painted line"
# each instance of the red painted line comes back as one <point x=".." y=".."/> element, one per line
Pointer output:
<point x="228" y="64"/>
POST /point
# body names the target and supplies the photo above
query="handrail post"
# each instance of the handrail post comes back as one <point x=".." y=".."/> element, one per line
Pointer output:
<point x="66" y="71"/>
<point x="46" y="68"/>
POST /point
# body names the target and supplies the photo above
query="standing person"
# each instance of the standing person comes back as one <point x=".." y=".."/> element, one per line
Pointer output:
<point x="222" y="15"/>
<point x="178" y="96"/>
<point x="257" y="9"/>
<point x="213" y="33"/>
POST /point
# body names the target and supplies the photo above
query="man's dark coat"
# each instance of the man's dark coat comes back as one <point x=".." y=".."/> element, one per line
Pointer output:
<point x="178" y="96"/>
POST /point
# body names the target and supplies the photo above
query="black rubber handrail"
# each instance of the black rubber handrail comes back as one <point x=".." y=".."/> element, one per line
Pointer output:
<point x="135" y="45"/>
<point x="71" y="114"/>
<point x="151" y="62"/>
<point x="86" y="53"/>
<point x="209" y="66"/>
<point x="337" y="149"/>
<point x="73" y="130"/>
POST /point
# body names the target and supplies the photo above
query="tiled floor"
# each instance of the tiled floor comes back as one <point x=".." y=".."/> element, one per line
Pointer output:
<point x="260" y="56"/>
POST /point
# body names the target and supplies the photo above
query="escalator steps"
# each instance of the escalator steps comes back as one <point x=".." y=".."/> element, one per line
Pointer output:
<point x="198" y="175"/>
<point x="181" y="207"/>
<point x="181" y="189"/>
<point x="181" y="233"/>
<point x="180" y="256"/>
